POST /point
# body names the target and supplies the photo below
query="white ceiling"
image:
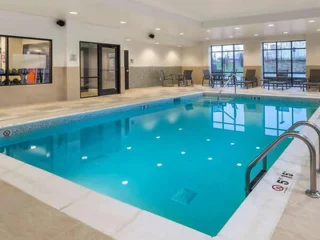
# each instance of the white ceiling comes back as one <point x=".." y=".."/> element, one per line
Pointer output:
<point x="192" y="17"/>
<point x="205" y="10"/>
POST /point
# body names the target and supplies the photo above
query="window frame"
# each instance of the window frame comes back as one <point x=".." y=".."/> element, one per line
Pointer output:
<point x="233" y="51"/>
<point x="7" y="58"/>
<point x="276" y="49"/>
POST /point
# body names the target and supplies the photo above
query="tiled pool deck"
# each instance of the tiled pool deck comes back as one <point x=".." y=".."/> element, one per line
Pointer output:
<point x="298" y="221"/>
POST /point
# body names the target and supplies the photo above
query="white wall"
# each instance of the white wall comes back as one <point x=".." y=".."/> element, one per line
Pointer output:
<point x="199" y="55"/>
<point x="148" y="55"/>
<point x="193" y="56"/>
<point x="17" y="24"/>
<point x="313" y="49"/>
<point x="76" y="32"/>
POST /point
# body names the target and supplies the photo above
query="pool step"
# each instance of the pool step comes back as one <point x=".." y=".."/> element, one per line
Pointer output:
<point x="257" y="179"/>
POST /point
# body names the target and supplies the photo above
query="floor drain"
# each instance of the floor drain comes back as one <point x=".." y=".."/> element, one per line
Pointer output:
<point x="184" y="196"/>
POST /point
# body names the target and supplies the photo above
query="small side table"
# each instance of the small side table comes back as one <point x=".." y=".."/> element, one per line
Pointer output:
<point x="299" y="82"/>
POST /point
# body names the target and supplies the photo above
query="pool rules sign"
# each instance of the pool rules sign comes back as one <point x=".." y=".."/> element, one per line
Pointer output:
<point x="283" y="183"/>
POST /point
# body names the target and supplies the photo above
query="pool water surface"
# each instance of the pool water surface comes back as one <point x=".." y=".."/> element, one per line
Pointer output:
<point x="184" y="161"/>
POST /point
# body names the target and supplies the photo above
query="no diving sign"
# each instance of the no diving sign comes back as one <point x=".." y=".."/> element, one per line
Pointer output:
<point x="277" y="188"/>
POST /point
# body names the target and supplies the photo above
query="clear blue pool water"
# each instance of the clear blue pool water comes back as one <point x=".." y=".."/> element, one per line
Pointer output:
<point x="185" y="162"/>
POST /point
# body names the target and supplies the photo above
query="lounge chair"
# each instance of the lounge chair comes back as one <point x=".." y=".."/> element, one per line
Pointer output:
<point x="206" y="76"/>
<point x="313" y="80"/>
<point x="166" y="78"/>
<point x="250" y="78"/>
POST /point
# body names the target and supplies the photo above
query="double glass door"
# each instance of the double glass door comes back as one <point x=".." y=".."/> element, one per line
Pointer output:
<point x="99" y="69"/>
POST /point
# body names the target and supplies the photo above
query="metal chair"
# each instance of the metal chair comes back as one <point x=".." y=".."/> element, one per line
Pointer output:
<point x="206" y="76"/>
<point x="250" y="78"/>
<point x="187" y="76"/>
<point x="164" y="78"/>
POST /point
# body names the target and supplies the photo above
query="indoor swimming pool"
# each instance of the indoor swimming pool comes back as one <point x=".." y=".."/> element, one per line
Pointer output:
<point x="184" y="160"/>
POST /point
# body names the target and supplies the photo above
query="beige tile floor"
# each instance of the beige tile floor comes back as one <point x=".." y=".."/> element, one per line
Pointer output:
<point x="22" y="217"/>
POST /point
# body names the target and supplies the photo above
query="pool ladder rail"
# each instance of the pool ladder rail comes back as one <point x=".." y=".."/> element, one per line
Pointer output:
<point x="312" y="191"/>
<point x="231" y="77"/>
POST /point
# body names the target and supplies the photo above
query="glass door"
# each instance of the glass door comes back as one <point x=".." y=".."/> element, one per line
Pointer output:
<point x="109" y="77"/>
<point x="88" y="69"/>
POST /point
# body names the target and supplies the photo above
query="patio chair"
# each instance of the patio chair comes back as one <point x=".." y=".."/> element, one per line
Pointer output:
<point x="313" y="80"/>
<point x="166" y="78"/>
<point x="206" y="76"/>
<point x="250" y="78"/>
<point x="187" y="76"/>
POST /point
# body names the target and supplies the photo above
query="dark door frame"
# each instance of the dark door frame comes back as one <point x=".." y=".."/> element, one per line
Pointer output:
<point x="126" y="69"/>
<point x="101" y="91"/>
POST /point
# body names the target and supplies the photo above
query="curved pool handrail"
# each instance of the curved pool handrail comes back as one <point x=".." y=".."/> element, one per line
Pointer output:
<point x="309" y="124"/>
<point x="312" y="192"/>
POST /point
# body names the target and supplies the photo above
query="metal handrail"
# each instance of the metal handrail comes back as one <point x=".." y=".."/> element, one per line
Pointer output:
<point x="232" y="76"/>
<point x="312" y="192"/>
<point x="309" y="124"/>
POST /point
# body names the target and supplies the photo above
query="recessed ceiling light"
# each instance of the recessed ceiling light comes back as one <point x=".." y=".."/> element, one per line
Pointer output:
<point x="271" y="25"/>
<point x="183" y="153"/>
<point x="208" y="139"/>
<point x="232" y="144"/>
<point x="208" y="30"/>
<point x="33" y="147"/>
<point x="73" y="13"/>
<point x="129" y="148"/>
<point x="128" y="39"/>
<point x="258" y="148"/>
<point x="157" y="43"/>
<point x="84" y="157"/>
<point x="125" y="182"/>
<point x="285" y="32"/>
<point x="179" y="46"/>
<point x="158" y="29"/>
<point x="311" y="21"/>
<point x="237" y="28"/>
<point x="230" y="36"/>
<point x="159" y="164"/>
<point x="318" y="30"/>
<point x="239" y="164"/>
<point x="207" y="38"/>
<point x="157" y="137"/>
<point x="210" y="158"/>
<point x="180" y="129"/>
<point x="256" y="34"/>
<point x="181" y="34"/>
<point x="123" y="22"/>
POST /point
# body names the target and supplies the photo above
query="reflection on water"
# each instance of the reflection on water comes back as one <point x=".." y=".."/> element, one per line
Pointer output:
<point x="276" y="119"/>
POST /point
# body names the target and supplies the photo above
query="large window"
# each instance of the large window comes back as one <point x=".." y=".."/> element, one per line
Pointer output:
<point x="289" y="55"/>
<point x="227" y="59"/>
<point x="25" y="61"/>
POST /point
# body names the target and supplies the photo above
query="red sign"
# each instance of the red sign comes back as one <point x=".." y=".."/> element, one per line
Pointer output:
<point x="277" y="188"/>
